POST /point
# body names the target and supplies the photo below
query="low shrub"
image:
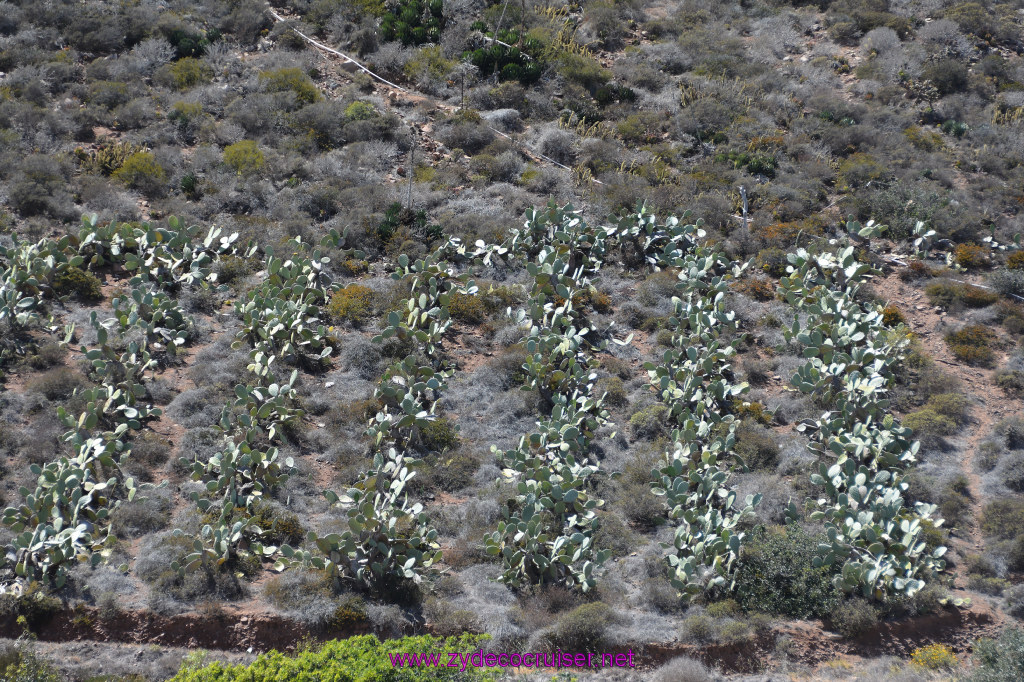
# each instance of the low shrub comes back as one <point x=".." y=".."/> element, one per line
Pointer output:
<point x="777" y="576"/>
<point x="971" y="256"/>
<point x="449" y="470"/>
<point x="955" y="501"/>
<point x="189" y="72"/>
<point x="650" y="422"/>
<point x="929" y="426"/>
<point x="726" y="608"/>
<point x="1015" y="261"/>
<point x="351" y="304"/>
<point x="1015" y="601"/>
<point x="946" y="294"/>
<point x="951" y="405"/>
<point x="439" y="435"/>
<point x="244" y="157"/>
<point x="18" y="664"/>
<point x="756" y="447"/>
<point x="987" y="584"/>
<point x="1003" y="518"/>
<point x="142" y="172"/>
<point x="757" y="288"/>
<point x="350" y="614"/>
<point x="468" y="308"/>
<point x="447" y="621"/>
<point x="59" y="383"/>
<point x="34" y="605"/>
<point x="356" y="659"/>
<point x="614" y="391"/>
<point x="892" y="316"/>
<point x="934" y="657"/>
<point x="74" y="281"/>
<point x="1008" y="282"/>
<point x="998" y="660"/>
<point x="752" y="411"/>
<point x="582" y="629"/>
<point x="924" y="140"/>
<point x="291" y="79"/>
<point x="974" y="344"/>
<point x="682" y="669"/>
<point x="853" y="618"/>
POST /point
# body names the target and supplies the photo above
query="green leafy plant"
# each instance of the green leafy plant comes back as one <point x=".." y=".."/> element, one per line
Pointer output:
<point x="865" y="453"/>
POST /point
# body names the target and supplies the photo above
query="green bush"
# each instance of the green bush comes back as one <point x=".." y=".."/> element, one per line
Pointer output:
<point x="951" y="405"/>
<point x="582" y="629"/>
<point x="929" y="426"/>
<point x="292" y="79"/>
<point x="351" y="304"/>
<point x="428" y="64"/>
<point x="360" y="111"/>
<point x="947" y="75"/>
<point x="141" y="171"/>
<point x="987" y="584"/>
<point x="1012" y="381"/>
<point x="34" y="605"/>
<point x="244" y="157"/>
<point x="853" y="618"/>
<point x="946" y="294"/>
<point x="971" y="256"/>
<point x="467" y="308"/>
<point x="776" y="576"/>
<point x="858" y="170"/>
<point x="999" y="660"/>
<point x="650" y="422"/>
<point x="189" y="72"/>
<point x="356" y="659"/>
<point x="756" y="447"/>
<point x="58" y="383"/>
<point x="934" y="657"/>
<point x="439" y="435"/>
<point x="74" y="281"/>
<point x="614" y="391"/>
<point x="955" y="501"/>
<point x="350" y="614"/>
<point x="17" y="664"/>
<point x="974" y="344"/>
<point x="449" y="470"/>
<point x="1003" y="519"/>
<point x="583" y="70"/>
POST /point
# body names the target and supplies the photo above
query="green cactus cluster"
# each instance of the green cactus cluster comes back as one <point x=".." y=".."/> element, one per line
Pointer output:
<point x="388" y="538"/>
<point x="28" y="272"/>
<point x="280" y="324"/>
<point x="547" y="535"/>
<point x="169" y="256"/>
<point x="693" y="381"/>
<point x="281" y="318"/>
<point x="865" y="453"/>
<point x="66" y="519"/>
<point x="156" y="315"/>
<point x="383" y="538"/>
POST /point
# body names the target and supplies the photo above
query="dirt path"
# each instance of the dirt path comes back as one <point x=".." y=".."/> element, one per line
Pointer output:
<point x="989" y="404"/>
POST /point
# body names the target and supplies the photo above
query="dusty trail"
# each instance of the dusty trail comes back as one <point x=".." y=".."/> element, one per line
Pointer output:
<point x="989" y="405"/>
